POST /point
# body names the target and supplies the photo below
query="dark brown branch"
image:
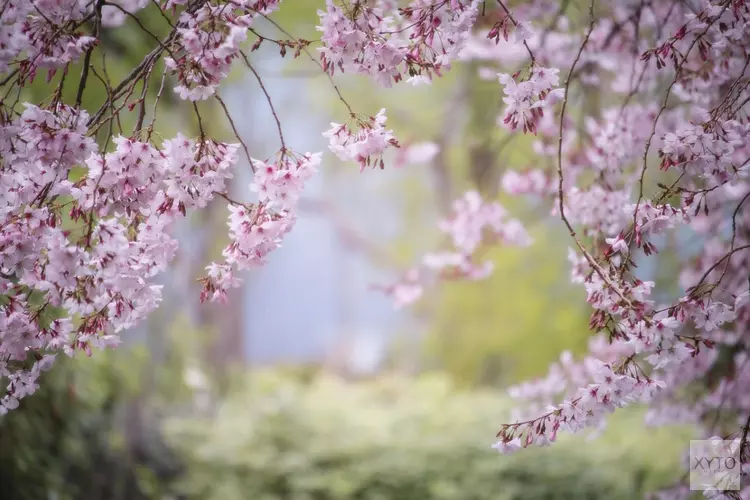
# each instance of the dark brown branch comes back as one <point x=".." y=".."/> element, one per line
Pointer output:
<point x="87" y="57"/>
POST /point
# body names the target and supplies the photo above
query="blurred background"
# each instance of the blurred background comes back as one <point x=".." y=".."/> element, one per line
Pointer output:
<point x="308" y="384"/>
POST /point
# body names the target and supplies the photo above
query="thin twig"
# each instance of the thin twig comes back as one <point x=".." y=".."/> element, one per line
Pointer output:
<point x="716" y="264"/>
<point x="200" y="123"/>
<point x="9" y="77"/>
<point x="268" y="98"/>
<point x="156" y="103"/>
<point x="510" y="16"/>
<point x="236" y="132"/>
<point x="307" y="52"/>
<point x="142" y="103"/>
<point x="561" y="200"/>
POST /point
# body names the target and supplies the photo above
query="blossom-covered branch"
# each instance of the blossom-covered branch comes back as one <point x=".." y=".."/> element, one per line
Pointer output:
<point x="87" y="223"/>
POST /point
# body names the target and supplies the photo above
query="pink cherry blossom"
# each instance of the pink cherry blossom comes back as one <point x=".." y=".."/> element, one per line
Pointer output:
<point x="473" y="224"/>
<point x="365" y="146"/>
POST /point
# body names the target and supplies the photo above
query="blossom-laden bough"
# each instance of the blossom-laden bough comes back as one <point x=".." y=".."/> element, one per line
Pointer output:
<point x="86" y="225"/>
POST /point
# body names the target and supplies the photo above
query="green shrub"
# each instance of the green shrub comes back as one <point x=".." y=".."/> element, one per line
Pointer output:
<point x="75" y="439"/>
<point x="400" y="439"/>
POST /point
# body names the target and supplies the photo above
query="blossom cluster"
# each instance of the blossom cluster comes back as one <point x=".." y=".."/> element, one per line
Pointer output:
<point x="527" y="99"/>
<point x="87" y="226"/>
<point x="68" y="288"/>
<point x="45" y="33"/>
<point x="705" y="154"/>
<point x="209" y="40"/>
<point x="388" y="43"/>
<point x="366" y="145"/>
<point x="643" y="352"/>
<point x="42" y="31"/>
<point x="651" y="344"/>
<point x="474" y="225"/>
<point x="256" y="230"/>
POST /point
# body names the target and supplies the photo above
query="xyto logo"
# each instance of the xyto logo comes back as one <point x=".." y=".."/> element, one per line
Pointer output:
<point x="715" y="464"/>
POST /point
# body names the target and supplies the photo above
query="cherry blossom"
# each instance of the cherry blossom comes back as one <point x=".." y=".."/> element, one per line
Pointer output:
<point x="526" y="99"/>
<point x="654" y="350"/>
<point x="388" y="43"/>
<point x="115" y="13"/>
<point x="417" y="153"/>
<point x="473" y="226"/>
<point x="255" y="230"/>
<point x="406" y="290"/>
<point x="365" y="146"/>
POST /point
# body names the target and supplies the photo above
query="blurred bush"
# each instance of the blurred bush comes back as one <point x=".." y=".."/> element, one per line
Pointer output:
<point x="399" y="439"/>
<point x="97" y="430"/>
<point x="511" y="326"/>
<point x="83" y="435"/>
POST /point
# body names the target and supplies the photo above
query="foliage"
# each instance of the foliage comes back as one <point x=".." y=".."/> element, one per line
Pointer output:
<point x="512" y="325"/>
<point x="83" y="436"/>
<point x="395" y="438"/>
